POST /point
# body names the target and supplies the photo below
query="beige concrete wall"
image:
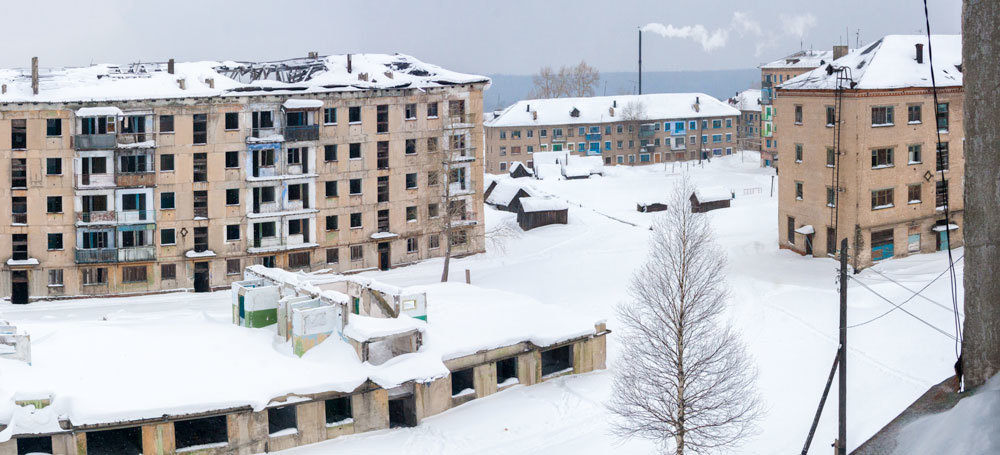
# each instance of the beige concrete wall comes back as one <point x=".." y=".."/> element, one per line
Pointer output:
<point x="484" y="378"/>
<point x="371" y="410"/>
<point x="858" y="178"/>
<point x="158" y="439"/>
<point x="504" y="150"/>
<point x="247" y="432"/>
<point x="432" y="397"/>
<point x="8" y="447"/>
<point x="529" y="368"/>
<point x="179" y="143"/>
<point x="64" y="444"/>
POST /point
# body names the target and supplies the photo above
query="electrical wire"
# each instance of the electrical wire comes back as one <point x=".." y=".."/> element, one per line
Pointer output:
<point x="918" y="293"/>
<point x="905" y="301"/>
<point x="896" y="307"/>
<point x="947" y="217"/>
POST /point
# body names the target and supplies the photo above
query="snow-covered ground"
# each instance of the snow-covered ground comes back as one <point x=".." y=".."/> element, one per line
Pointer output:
<point x="785" y="306"/>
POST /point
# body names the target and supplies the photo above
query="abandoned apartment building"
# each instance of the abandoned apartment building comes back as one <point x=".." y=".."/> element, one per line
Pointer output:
<point x="625" y="129"/>
<point x="154" y="176"/>
<point x="370" y="356"/>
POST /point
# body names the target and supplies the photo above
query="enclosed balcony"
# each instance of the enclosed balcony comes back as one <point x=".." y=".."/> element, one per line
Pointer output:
<point x="97" y="217"/>
<point x="593" y="136"/>
<point x="137" y="254"/>
<point x="94" y="141"/>
<point x="95" y="255"/>
<point x="136" y="216"/>
<point x="134" y="167"/>
<point x="301" y="133"/>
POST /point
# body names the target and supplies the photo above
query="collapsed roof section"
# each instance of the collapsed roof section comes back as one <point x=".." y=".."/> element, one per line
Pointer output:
<point x="316" y="74"/>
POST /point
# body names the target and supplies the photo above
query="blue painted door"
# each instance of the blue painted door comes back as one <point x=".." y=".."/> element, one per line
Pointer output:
<point x="881" y="252"/>
<point x="943" y="242"/>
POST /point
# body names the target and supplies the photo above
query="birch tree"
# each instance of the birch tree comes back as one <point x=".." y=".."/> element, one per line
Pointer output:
<point x="579" y="80"/>
<point x="684" y="379"/>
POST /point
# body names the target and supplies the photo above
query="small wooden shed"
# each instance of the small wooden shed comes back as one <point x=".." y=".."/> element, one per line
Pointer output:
<point x="710" y="198"/>
<point x="649" y="207"/>
<point x="539" y="211"/>
<point x="518" y="169"/>
<point x="506" y="195"/>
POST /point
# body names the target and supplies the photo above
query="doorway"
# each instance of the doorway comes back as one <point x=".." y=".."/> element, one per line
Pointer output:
<point x="383" y="256"/>
<point x="402" y="412"/>
<point x="201" y="277"/>
<point x="19" y="287"/>
<point x="809" y="244"/>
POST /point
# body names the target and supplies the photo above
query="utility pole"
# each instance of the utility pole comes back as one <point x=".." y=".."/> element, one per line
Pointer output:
<point x="842" y="418"/>
<point x="640" y="60"/>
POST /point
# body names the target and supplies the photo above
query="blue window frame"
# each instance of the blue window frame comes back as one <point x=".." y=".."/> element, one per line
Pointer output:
<point x="607" y="129"/>
<point x="716" y="138"/>
<point x="679" y="126"/>
<point x="582" y="131"/>
<point x="692" y="125"/>
<point x="717" y="152"/>
<point x="769" y="143"/>
<point x="595" y="130"/>
<point x="716" y="124"/>
<point x="729" y="123"/>
<point x="581" y="146"/>
<point x="607" y="145"/>
<point x="666" y="126"/>
<point x="595" y="147"/>
<point x="644" y="158"/>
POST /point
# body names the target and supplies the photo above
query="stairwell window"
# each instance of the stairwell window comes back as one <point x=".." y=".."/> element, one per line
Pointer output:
<point x="831" y="197"/>
<point x="798" y="191"/>
<point x="942" y="156"/>
<point x="798" y="114"/>
<point x="882" y="158"/>
<point x="882" y="199"/>
<point x="882" y="116"/>
<point x="913" y="152"/>
<point x="200" y="129"/>
<point x="831" y="116"/>
<point x="798" y="153"/>
<point x="942" y="117"/>
<point x="913" y="114"/>
<point x="382" y="118"/>
<point x="831" y="157"/>
<point x="913" y="193"/>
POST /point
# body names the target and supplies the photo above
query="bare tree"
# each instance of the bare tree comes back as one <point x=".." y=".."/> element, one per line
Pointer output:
<point x="579" y="80"/>
<point x="455" y="177"/>
<point x="683" y="376"/>
<point x="633" y="115"/>
<point x="499" y="236"/>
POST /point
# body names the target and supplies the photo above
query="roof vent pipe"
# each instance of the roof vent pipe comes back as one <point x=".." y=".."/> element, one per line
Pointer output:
<point x="920" y="52"/>
<point x="34" y="75"/>
<point x="170" y="66"/>
<point x="314" y="55"/>
<point x="697" y="100"/>
<point x="528" y="109"/>
<point x="614" y="103"/>
<point x="838" y="51"/>
<point x="348" y="63"/>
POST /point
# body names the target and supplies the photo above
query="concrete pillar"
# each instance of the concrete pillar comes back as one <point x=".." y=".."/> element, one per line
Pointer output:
<point x="9" y="447"/>
<point x="599" y="349"/>
<point x="432" y="397"/>
<point x="529" y="368"/>
<point x="583" y="357"/>
<point x="371" y="410"/>
<point x="311" y="418"/>
<point x="81" y="443"/>
<point x="484" y="379"/>
<point x="247" y="432"/>
<point x="158" y="439"/>
<point x="980" y="58"/>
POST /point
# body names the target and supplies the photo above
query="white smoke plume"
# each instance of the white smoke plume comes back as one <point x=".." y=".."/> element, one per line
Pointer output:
<point x="697" y="33"/>
<point x="798" y="24"/>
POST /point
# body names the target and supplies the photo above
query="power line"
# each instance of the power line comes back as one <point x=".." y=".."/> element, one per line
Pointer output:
<point x="896" y="307"/>
<point x="918" y="293"/>
<point x="953" y="280"/>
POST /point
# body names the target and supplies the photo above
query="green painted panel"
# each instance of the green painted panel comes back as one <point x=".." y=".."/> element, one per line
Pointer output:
<point x="422" y="318"/>
<point x="262" y="318"/>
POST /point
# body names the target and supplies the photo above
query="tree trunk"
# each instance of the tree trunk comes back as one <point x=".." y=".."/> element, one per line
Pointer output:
<point x="980" y="51"/>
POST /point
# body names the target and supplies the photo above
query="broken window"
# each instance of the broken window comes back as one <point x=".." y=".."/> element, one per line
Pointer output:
<point x="233" y="196"/>
<point x="338" y="410"/>
<point x="55" y="241"/>
<point x="201" y="432"/>
<point x="265" y="229"/>
<point x="432" y="110"/>
<point x="53" y="166"/>
<point x="134" y="274"/>
<point x="95" y="240"/>
<point x="18" y="173"/>
<point x="941" y="193"/>
<point x="459" y="238"/>
<point x="294" y="155"/>
<point x="382" y="218"/>
<point x="411" y="146"/>
<point x="355" y="151"/>
<point x="53" y="204"/>
<point x="132" y="164"/>
<point x="357" y="253"/>
<point x="432" y="210"/>
<point x="232" y="159"/>
<point x="232" y="121"/>
<point x="200" y="239"/>
<point x="411" y="181"/>
<point x="411" y="213"/>
<point x="355" y="220"/>
<point x="382" y="155"/>
<point x="383" y="189"/>
<point x="167" y="237"/>
<point x="200" y="167"/>
<point x="456" y="109"/>
<point x="913" y="113"/>
<point x="432" y="178"/>
<point x="120" y="441"/>
<point x="382" y="118"/>
<point x="298" y="192"/>
<point x="354" y="114"/>
<point x="53" y="127"/>
<point x="354" y="186"/>
<point x="332" y="255"/>
<point x="432" y="144"/>
<point x="296" y="118"/>
<point x="281" y="421"/>
<point x="411" y="245"/>
<point x="298" y="260"/>
<point x="166" y="124"/>
<point x="199" y="129"/>
<point x="881" y="158"/>
<point x="462" y="382"/>
<point x="94" y="276"/>
<point x="942" y="156"/>
<point x="19" y="210"/>
<point x="411" y="111"/>
<point x="331" y="222"/>
<point x="942" y="116"/>
<point x="330" y="152"/>
<point x="433" y="241"/>
<point x="166" y="201"/>
<point x="557" y="360"/>
<point x="166" y="162"/>
<point x="232" y="232"/>
<point x="19" y="247"/>
<point x="507" y="371"/>
<point x="19" y="134"/>
<point x="168" y="271"/>
<point x="882" y="199"/>
<point x="402" y="412"/>
<point x="200" y="204"/>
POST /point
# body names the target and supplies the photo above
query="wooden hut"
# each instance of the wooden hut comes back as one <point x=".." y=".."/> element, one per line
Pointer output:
<point x="506" y="195"/>
<point x="649" y="207"/>
<point x="538" y="211"/>
<point x="710" y="198"/>
<point x="518" y="169"/>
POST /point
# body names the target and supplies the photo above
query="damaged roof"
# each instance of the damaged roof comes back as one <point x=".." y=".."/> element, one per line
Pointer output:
<point x="111" y="82"/>
<point x="601" y="109"/>
<point x="801" y="59"/>
<point x="891" y="62"/>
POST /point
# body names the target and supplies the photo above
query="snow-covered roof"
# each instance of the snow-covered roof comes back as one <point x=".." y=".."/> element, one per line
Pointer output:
<point x="364" y="328"/>
<point x="598" y="109"/>
<point x="112" y="82"/>
<point x="712" y="194"/>
<point x="542" y="204"/>
<point x="806" y="230"/>
<point x="802" y="60"/>
<point x="299" y="103"/>
<point x="517" y="164"/>
<point x="504" y="193"/>
<point x="103" y="111"/>
<point x="591" y="164"/>
<point x="747" y="100"/>
<point x="891" y="63"/>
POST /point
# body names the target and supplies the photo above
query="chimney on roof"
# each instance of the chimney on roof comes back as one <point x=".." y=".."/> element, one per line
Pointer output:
<point x="170" y="66"/>
<point x="528" y="108"/>
<point x="34" y="75"/>
<point x="3" y="89"/>
<point x="614" y="103"/>
<point x="839" y="51"/>
<point x="697" y="100"/>
<point x="314" y="55"/>
<point x="348" y="63"/>
<point x="920" y="52"/>
<point x="210" y="82"/>
<point x="181" y="83"/>
<point x="534" y="115"/>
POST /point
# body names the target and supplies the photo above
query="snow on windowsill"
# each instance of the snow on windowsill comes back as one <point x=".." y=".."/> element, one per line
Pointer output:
<point x="214" y="445"/>
<point x="915" y="162"/>
<point x="199" y="254"/>
<point x="881" y="125"/>
<point x="914" y="123"/>
<point x="21" y="262"/>
<point x="880" y="207"/>
<point x="914" y="202"/>
<point x="464" y="392"/>
<point x="346" y="421"/>
<point x="285" y="432"/>
<point x="883" y="166"/>
<point x="558" y="373"/>
<point x="831" y="205"/>
<point x="384" y="235"/>
<point x="508" y="382"/>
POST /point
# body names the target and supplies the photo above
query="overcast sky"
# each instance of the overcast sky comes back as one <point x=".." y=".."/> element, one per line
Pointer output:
<point x="492" y="37"/>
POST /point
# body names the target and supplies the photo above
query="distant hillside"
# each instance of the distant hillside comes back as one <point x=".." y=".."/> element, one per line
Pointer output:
<point x="507" y="89"/>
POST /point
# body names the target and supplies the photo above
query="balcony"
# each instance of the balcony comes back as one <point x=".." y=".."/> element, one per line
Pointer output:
<point x="461" y="187"/>
<point x="95" y="255"/>
<point x="135" y="179"/>
<point x="137" y="254"/>
<point x="94" y="142"/>
<point x="272" y="134"/>
<point x="463" y="120"/>
<point x="104" y="217"/>
<point x="136" y="216"/>
<point x="647" y="133"/>
<point x="464" y="219"/>
<point x="593" y="136"/>
<point x="136" y="140"/>
<point x="558" y="138"/>
<point x="302" y="133"/>
<point x="462" y="154"/>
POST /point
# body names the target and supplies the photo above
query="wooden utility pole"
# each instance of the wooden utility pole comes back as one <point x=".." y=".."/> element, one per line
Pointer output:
<point x="842" y="418"/>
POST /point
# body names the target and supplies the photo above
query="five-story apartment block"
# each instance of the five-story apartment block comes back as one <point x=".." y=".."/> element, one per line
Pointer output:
<point x="627" y="129"/>
<point x="162" y="176"/>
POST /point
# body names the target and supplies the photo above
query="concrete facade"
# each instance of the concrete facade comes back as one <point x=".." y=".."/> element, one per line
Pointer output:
<point x="123" y="235"/>
<point x="806" y="178"/>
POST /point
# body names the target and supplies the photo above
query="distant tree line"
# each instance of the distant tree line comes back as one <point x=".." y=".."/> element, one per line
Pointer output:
<point x="569" y="81"/>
